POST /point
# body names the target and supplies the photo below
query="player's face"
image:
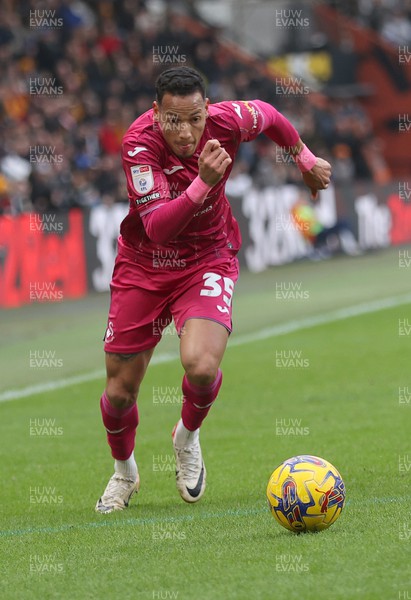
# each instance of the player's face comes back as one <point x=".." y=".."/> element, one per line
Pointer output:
<point x="182" y="121"/>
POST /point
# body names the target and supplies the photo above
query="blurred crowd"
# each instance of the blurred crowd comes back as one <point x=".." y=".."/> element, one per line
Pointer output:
<point x="390" y="18"/>
<point x="75" y="74"/>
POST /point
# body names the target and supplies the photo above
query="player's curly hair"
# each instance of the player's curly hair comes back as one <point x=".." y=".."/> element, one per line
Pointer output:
<point x="179" y="81"/>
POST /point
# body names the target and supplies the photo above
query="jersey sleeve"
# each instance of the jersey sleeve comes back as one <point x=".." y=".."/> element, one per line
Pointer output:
<point x="147" y="185"/>
<point x="244" y="118"/>
<point x="252" y="117"/>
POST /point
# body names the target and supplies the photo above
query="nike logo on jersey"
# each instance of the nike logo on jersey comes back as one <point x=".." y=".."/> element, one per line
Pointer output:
<point x="136" y="150"/>
<point x="173" y="169"/>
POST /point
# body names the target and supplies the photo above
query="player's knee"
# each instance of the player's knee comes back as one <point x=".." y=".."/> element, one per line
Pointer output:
<point x="202" y="370"/>
<point x="120" y="395"/>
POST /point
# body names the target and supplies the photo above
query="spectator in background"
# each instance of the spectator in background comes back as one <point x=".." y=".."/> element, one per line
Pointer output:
<point x="101" y="62"/>
<point x="396" y="28"/>
<point x="390" y="18"/>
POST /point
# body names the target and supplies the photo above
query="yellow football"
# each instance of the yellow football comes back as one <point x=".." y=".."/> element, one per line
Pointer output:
<point x="306" y="493"/>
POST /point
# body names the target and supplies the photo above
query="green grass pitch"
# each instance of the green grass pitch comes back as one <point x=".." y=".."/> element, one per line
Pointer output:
<point x="344" y="394"/>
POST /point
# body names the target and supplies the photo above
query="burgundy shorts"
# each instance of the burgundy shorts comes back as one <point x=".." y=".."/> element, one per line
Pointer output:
<point x="145" y="301"/>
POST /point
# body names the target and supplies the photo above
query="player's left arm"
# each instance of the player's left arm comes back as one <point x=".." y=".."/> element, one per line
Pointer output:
<point x="253" y="117"/>
<point x="316" y="172"/>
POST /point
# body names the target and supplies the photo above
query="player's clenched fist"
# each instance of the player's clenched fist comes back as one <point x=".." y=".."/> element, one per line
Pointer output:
<point x="213" y="162"/>
<point x="319" y="177"/>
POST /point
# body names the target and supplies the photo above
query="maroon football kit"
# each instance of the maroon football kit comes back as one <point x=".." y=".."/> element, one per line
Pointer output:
<point x="177" y="259"/>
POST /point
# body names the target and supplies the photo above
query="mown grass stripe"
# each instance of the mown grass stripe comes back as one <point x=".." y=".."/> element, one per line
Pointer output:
<point x="240" y="340"/>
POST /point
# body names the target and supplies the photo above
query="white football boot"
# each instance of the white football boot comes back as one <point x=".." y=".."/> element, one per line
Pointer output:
<point x="190" y="469"/>
<point x="117" y="493"/>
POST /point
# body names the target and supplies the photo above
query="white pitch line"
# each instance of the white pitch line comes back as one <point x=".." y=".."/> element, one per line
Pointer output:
<point x="330" y="317"/>
<point x="39" y="388"/>
<point x="263" y="334"/>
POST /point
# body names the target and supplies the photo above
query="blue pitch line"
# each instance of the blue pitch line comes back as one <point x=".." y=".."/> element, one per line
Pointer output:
<point x="240" y="512"/>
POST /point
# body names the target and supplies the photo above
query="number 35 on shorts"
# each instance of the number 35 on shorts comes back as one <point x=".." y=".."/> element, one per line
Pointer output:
<point x="214" y="286"/>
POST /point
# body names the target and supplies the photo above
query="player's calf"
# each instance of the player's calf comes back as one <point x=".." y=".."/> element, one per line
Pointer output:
<point x="190" y="468"/>
<point x="121" y="425"/>
<point x="198" y="400"/>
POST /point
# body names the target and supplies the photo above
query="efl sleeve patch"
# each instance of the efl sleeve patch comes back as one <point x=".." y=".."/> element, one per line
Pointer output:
<point x="143" y="179"/>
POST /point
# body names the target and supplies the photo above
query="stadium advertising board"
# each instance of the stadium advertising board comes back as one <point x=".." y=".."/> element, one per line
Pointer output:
<point x="379" y="216"/>
<point x="54" y="257"/>
<point x="43" y="258"/>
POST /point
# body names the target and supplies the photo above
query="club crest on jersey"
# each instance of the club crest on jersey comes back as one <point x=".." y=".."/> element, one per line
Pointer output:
<point x="109" y="336"/>
<point x="143" y="179"/>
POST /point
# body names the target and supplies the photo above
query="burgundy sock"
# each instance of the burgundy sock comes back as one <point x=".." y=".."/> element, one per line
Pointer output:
<point x="121" y="425"/>
<point x="197" y="401"/>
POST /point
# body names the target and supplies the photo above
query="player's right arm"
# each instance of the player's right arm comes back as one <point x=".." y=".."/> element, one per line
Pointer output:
<point x="163" y="219"/>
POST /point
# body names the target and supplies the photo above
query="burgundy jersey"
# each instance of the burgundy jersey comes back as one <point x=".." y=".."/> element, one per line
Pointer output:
<point x="155" y="175"/>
